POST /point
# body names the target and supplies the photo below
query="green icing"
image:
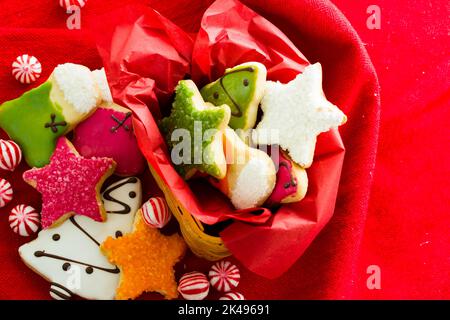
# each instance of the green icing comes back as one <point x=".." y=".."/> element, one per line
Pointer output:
<point x="185" y="113"/>
<point x="237" y="88"/>
<point x="24" y="119"/>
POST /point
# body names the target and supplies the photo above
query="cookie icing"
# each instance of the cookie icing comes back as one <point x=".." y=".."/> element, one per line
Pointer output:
<point x="241" y="88"/>
<point x="34" y="122"/>
<point x="109" y="133"/>
<point x="69" y="184"/>
<point x="75" y="243"/>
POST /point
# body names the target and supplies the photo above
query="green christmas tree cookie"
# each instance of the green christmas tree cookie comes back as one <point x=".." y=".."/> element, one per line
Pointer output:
<point x="40" y="116"/>
<point x="194" y="132"/>
<point x="241" y="88"/>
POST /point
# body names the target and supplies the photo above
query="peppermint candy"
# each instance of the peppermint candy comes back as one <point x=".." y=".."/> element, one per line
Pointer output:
<point x="24" y="220"/>
<point x="224" y="276"/>
<point x="193" y="286"/>
<point x="66" y="4"/>
<point x="232" y="296"/>
<point x="156" y="212"/>
<point x="6" y="192"/>
<point x="10" y="155"/>
<point x="26" y="69"/>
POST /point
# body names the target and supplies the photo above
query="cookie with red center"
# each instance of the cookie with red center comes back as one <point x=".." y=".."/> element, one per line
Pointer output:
<point x="224" y="276"/>
<point x="70" y="185"/>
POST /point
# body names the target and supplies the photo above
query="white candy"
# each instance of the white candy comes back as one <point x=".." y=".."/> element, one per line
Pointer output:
<point x="156" y="212"/>
<point x="24" y="220"/>
<point x="6" y="192"/>
<point x="26" y="69"/>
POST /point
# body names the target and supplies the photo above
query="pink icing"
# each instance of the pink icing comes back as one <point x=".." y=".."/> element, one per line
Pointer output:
<point x="286" y="184"/>
<point x="69" y="184"/>
<point x="102" y="136"/>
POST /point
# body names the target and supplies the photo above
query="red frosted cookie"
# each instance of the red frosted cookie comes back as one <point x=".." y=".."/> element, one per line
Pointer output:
<point x="109" y="133"/>
<point x="70" y="185"/>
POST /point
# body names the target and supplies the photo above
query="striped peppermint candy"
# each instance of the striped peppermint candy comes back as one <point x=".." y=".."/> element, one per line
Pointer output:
<point x="10" y="155"/>
<point x="6" y="192"/>
<point x="224" y="276"/>
<point x="193" y="286"/>
<point x="232" y="296"/>
<point x="24" y="220"/>
<point x="26" y="69"/>
<point x="156" y="212"/>
<point x="68" y="3"/>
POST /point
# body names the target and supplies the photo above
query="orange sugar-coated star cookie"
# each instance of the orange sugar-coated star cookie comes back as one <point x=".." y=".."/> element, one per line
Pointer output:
<point x="146" y="259"/>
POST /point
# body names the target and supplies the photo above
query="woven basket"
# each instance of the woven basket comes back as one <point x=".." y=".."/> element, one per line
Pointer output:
<point x="203" y="245"/>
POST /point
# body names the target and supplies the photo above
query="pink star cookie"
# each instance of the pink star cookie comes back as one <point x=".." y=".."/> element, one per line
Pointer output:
<point x="70" y="185"/>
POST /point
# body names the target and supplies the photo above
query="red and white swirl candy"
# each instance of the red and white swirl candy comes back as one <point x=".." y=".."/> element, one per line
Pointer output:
<point x="156" y="212"/>
<point x="232" y="296"/>
<point x="26" y="69"/>
<point x="6" y="192"/>
<point x="224" y="276"/>
<point x="24" y="220"/>
<point x="68" y="3"/>
<point x="193" y="286"/>
<point x="10" y="155"/>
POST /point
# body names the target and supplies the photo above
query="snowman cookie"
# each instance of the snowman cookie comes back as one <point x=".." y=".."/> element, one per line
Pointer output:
<point x="40" y="116"/>
<point x="69" y="255"/>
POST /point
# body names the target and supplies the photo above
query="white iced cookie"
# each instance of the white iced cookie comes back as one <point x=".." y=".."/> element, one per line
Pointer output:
<point x="69" y="257"/>
<point x="296" y="113"/>
<point x="251" y="173"/>
<point x="102" y="82"/>
<point x="76" y="91"/>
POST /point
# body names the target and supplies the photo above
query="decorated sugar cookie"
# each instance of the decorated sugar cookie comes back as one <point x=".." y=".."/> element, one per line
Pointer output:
<point x="40" y="116"/>
<point x="251" y="174"/>
<point x="298" y="112"/>
<point x="292" y="182"/>
<point x="194" y="118"/>
<point x="146" y="259"/>
<point x="70" y="185"/>
<point x="73" y="248"/>
<point x="242" y="89"/>
<point x="109" y="133"/>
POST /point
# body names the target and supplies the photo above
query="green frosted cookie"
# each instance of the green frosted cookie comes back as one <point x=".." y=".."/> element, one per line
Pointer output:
<point x="241" y="88"/>
<point x="197" y="145"/>
<point x="40" y="116"/>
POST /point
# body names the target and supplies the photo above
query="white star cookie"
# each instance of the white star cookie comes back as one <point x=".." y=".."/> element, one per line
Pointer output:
<point x="296" y="113"/>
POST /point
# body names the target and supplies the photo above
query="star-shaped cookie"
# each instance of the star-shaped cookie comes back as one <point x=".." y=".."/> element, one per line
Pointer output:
<point x="70" y="185"/>
<point x="194" y="132"/>
<point x="146" y="259"/>
<point x="296" y="113"/>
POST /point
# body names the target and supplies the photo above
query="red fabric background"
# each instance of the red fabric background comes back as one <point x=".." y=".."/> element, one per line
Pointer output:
<point x="404" y="230"/>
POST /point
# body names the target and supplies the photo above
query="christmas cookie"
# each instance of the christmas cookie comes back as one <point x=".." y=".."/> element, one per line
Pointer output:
<point x="40" y="116"/>
<point x="292" y="181"/>
<point x="146" y="259"/>
<point x="242" y="89"/>
<point x="199" y="126"/>
<point x="70" y="185"/>
<point x="69" y="255"/>
<point x="251" y="173"/>
<point x="102" y="82"/>
<point x="109" y="133"/>
<point x="297" y="112"/>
